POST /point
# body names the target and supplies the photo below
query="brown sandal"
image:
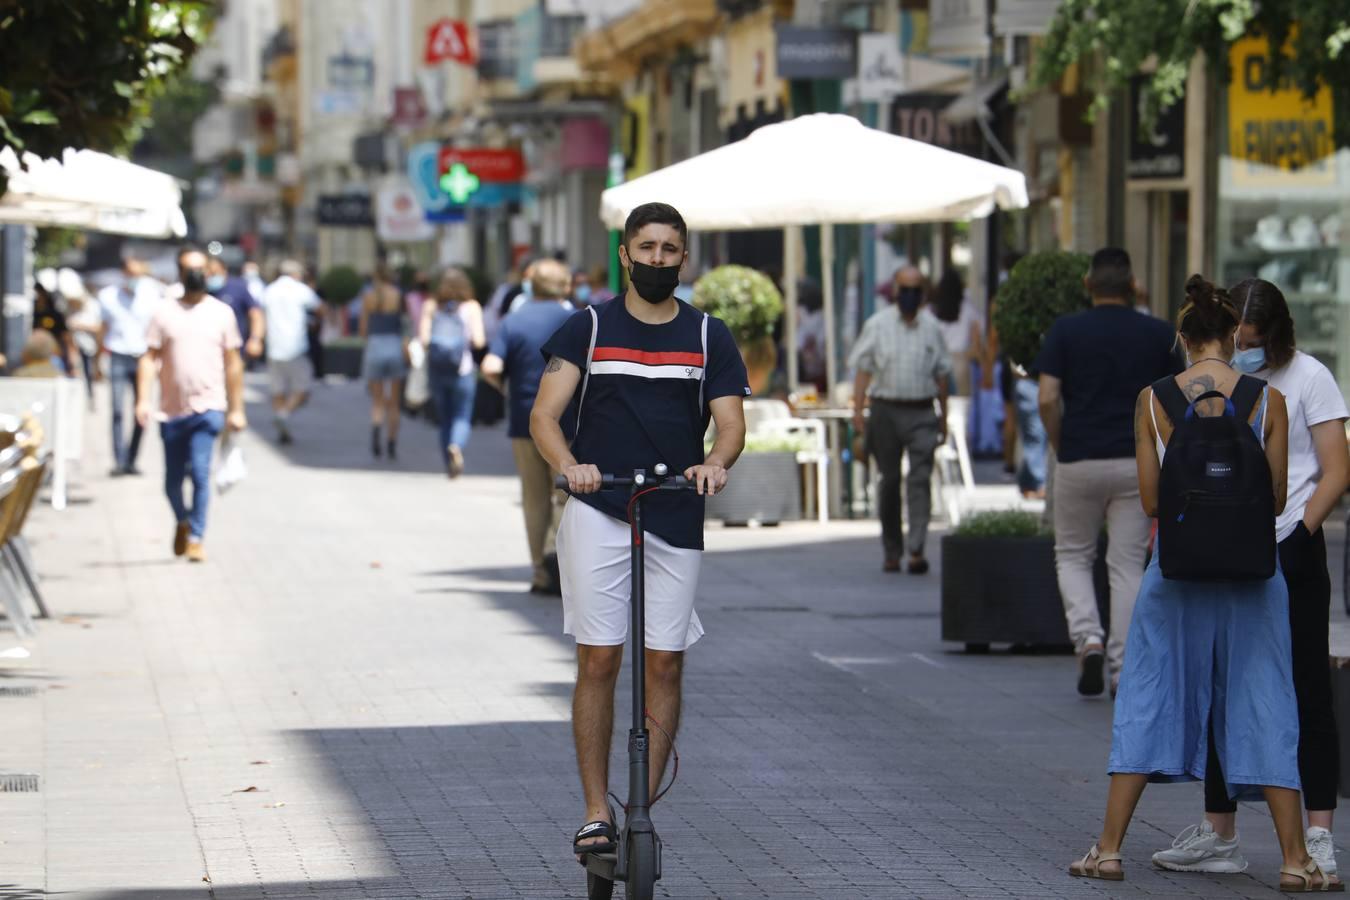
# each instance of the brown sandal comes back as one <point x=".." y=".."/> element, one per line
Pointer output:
<point x="1090" y="866"/>
<point x="1306" y="884"/>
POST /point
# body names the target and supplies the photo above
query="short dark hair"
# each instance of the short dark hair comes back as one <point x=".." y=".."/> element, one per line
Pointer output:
<point x="655" y="214"/>
<point x="1111" y="275"/>
<point x="1262" y="305"/>
<point x="185" y="249"/>
<point x="1209" y="313"/>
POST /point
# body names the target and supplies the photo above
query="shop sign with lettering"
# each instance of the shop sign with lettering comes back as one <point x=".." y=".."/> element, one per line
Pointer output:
<point x="1157" y="150"/>
<point x="919" y="116"/>
<point x="1276" y="136"/>
<point x="809" y="53"/>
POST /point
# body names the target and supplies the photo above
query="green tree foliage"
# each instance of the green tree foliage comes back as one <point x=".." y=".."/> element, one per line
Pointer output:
<point x="81" y="73"/>
<point x="745" y="299"/>
<point x="1040" y="288"/>
<point x="1114" y="38"/>
<point x="340" y="285"/>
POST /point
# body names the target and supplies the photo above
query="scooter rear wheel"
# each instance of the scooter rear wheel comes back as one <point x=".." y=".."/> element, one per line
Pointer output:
<point x="641" y="866"/>
<point x="598" y="888"/>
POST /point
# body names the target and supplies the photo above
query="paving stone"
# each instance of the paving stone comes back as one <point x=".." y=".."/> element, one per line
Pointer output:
<point x="363" y="628"/>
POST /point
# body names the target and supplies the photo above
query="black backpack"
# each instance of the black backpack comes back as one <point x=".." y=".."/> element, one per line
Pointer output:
<point x="1216" y="501"/>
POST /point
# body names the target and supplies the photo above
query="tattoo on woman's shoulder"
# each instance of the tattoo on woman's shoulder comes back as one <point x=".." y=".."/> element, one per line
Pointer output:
<point x="1200" y="384"/>
<point x="554" y="364"/>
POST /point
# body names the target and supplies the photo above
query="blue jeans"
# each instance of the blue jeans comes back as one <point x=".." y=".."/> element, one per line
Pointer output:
<point x="453" y="396"/>
<point x="122" y="376"/>
<point x="188" y="442"/>
<point x="1031" y="431"/>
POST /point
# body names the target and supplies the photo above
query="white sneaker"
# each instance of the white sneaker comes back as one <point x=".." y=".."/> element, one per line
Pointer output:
<point x="1199" y="849"/>
<point x="1321" y="848"/>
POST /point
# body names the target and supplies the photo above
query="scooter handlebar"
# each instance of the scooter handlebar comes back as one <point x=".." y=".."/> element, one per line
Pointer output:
<point x="611" y="482"/>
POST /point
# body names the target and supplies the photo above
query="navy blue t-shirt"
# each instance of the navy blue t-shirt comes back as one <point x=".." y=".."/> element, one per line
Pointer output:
<point x="238" y="298"/>
<point x="517" y="343"/>
<point x="641" y="405"/>
<point x="1105" y="356"/>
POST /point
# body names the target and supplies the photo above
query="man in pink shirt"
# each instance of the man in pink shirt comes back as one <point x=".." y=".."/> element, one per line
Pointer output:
<point x="193" y="342"/>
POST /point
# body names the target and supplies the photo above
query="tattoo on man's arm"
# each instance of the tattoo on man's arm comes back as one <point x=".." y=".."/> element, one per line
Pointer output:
<point x="554" y="364"/>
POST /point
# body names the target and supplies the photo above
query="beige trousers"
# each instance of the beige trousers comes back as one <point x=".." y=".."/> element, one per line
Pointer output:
<point x="540" y="502"/>
<point x="1089" y="494"/>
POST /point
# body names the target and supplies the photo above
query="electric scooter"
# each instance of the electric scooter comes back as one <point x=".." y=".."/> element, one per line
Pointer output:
<point x="636" y="859"/>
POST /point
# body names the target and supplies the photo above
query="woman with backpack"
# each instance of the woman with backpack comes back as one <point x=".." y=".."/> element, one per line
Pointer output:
<point x="451" y="330"/>
<point x="1318" y="467"/>
<point x="1209" y="643"/>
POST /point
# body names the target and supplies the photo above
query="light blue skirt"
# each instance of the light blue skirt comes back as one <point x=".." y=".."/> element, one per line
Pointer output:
<point x="1204" y="651"/>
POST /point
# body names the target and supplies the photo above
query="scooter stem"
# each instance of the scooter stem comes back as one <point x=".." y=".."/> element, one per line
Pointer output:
<point x="638" y="740"/>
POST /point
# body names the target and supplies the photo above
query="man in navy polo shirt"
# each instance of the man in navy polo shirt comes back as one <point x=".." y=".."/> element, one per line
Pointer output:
<point x="514" y="356"/>
<point x="650" y="372"/>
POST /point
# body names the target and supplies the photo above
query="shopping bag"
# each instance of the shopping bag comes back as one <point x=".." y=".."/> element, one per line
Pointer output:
<point x="232" y="469"/>
<point x="417" y="390"/>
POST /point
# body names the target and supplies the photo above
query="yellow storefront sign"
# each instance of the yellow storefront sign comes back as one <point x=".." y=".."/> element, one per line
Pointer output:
<point x="1276" y="137"/>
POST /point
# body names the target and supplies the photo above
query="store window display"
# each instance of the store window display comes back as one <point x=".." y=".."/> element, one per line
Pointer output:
<point x="1283" y="195"/>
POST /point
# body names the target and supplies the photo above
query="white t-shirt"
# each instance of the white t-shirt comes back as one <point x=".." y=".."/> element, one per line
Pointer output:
<point x="1312" y="396"/>
<point x="286" y="303"/>
<point x="957" y="334"/>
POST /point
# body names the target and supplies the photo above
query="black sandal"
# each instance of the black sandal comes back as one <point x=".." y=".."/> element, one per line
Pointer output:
<point x="597" y="829"/>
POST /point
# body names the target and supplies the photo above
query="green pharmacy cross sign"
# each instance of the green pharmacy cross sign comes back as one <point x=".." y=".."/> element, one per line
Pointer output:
<point x="459" y="183"/>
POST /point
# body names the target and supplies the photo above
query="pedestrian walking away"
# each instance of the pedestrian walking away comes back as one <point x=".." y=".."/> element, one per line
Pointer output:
<point x="125" y="309"/>
<point x="902" y="366"/>
<point x="1209" y="647"/>
<point x="1318" y="468"/>
<point x="647" y="372"/>
<point x="286" y="305"/>
<point x="452" y="329"/>
<point x="234" y="292"/>
<point x="1092" y="366"/>
<point x="385" y="364"/>
<point x="192" y="345"/>
<point x="514" y="355"/>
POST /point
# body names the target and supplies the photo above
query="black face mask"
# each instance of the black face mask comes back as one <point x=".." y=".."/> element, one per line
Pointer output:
<point x="194" y="280"/>
<point x="655" y="284"/>
<point x="909" y="299"/>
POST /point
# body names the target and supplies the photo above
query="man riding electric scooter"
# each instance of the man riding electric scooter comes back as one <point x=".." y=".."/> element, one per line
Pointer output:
<point x="640" y="375"/>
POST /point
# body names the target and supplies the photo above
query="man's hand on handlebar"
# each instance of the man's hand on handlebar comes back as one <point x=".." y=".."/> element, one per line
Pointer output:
<point x="706" y="479"/>
<point x="582" y="478"/>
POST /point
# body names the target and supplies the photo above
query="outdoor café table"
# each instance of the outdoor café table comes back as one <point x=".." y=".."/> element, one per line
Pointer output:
<point x="838" y="434"/>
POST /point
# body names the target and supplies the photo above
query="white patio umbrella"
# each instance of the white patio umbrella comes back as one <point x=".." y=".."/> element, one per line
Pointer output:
<point x="821" y="169"/>
<point x="94" y="191"/>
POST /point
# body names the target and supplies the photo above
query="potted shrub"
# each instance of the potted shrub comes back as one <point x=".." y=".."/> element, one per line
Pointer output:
<point x="339" y="286"/>
<point x="750" y="305"/>
<point x="765" y="484"/>
<point x="1039" y="289"/>
<point x="999" y="584"/>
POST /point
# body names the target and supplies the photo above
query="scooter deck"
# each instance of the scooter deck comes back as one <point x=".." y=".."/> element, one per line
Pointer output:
<point x="602" y="864"/>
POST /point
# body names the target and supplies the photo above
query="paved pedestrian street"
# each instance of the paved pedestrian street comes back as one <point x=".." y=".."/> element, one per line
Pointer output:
<point x="356" y="697"/>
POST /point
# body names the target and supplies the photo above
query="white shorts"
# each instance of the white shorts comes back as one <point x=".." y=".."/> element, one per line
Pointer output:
<point x="596" y="568"/>
<point x="289" y="376"/>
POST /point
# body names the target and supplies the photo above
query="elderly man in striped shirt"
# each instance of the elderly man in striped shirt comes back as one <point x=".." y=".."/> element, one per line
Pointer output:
<point x="902" y="366"/>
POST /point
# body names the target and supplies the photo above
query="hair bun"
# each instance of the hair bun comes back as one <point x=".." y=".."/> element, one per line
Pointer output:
<point x="1201" y="292"/>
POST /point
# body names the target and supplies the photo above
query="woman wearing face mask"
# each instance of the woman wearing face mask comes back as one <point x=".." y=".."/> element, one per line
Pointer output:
<point x="1209" y="645"/>
<point x="1318" y="470"/>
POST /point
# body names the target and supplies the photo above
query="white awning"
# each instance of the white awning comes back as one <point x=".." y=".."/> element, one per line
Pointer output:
<point x="93" y="191"/>
<point x="818" y="169"/>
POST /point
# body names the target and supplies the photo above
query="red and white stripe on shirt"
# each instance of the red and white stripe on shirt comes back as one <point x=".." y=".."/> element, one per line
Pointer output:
<point x="646" y="364"/>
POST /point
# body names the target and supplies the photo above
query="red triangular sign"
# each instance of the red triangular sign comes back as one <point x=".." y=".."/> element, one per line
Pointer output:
<point x="449" y="39"/>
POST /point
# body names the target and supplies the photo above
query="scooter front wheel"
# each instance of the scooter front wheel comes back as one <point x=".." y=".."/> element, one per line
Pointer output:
<point x="643" y="866"/>
<point x="598" y="888"/>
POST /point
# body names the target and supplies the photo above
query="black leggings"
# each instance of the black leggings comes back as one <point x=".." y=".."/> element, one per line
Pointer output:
<point x="1303" y="558"/>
